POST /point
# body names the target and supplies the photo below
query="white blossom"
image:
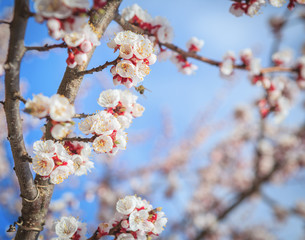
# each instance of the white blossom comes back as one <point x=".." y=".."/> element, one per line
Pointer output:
<point x="135" y="10"/>
<point x="283" y="57"/>
<point x="109" y="98"/>
<point x="125" y="236"/>
<point x="137" y="110"/>
<point x="86" y="46"/>
<point x="52" y="8"/>
<point x="127" y="37"/>
<point x="226" y="67"/>
<point x="277" y="3"/>
<point x="102" y="144"/>
<point x="60" y="109"/>
<point x="124" y="120"/>
<point x="39" y="106"/>
<point x="105" y="123"/>
<point x="126" y="69"/>
<point x="66" y="227"/>
<point x="81" y="58"/>
<point x="126" y="205"/>
<point x="81" y="165"/>
<point x="61" y="130"/>
<point x="138" y="221"/>
<point x="255" y="66"/>
<point x="59" y="174"/>
<point x="43" y="164"/>
<point x="142" y="69"/>
<point x="44" y="147"/>
<point x="160" y="223"/>
<point x="194" y="44"/>
<point x="143" y="48"/>
<point x="86" y="126"/>
<point x="126" y="51"/>
<point x="82" y="4"/>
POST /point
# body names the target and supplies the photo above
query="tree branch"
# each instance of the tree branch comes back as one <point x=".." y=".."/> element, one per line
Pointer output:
<point x="128" y="26"/>
<point x="16" y="52"/>
<point x="99" y="68"/>
<point x="4" y="22"/>
<point x="69" y="87"/>
<point x="46" y="47"/>
<point x="79" y="139"/>
<point x="83" y="115"/>
<point x="257" y="183"/>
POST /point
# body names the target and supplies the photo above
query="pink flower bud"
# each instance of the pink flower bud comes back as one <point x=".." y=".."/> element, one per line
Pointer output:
<point x="86" y="46"/>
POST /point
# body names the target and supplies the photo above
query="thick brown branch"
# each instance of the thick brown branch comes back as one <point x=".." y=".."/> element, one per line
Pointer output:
<point x="69" y="87"/>
<point x="16" y="52"/>
<point x="99" y="68"/>
<point x="46" y="47"/>
<point x="128" y="26"/>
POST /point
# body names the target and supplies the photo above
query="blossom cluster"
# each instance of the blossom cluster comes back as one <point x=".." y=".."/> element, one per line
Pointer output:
<point x="58" y="108"/>
<point x="108" y="125"/>
<point x="57" y="161"/>
<point x="279" y="91"/>
<point x="137" y="54"/>
<point x="135" y="219"/>
<point x="193" y="45"/>
<point x="68" y="20"/>
<point x="252" y="7"/>
<point x="69" y="228"/>
<point x="159" y="27"/>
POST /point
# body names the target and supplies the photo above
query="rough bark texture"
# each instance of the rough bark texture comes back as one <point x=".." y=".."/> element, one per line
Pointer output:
<point x="37" y="194"/>
<point x="14" y="122"/>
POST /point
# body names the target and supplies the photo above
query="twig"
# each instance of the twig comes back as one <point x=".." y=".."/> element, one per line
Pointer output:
<point x="4" y="22"/>
<point x="78" y="139"/>
<point x="82" y="115"/>
<point x="99" y="68"/>
<point x="46" y="47"/>
<point x="243" y="196"/>
<point x="19" y="97"/>
<point x="128" y="26"/>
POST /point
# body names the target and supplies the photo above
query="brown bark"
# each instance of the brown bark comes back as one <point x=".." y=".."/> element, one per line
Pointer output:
<point x="36" y="197"/>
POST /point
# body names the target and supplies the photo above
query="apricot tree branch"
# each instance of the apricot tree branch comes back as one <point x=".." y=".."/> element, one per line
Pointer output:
<point x="46" y="47"/>
<point x="99" y="68"/>
<point x="34" y="212"/>
<point x="242" y="196"/>
<point x="16" y="52"/>
<point x="128" y="26"/>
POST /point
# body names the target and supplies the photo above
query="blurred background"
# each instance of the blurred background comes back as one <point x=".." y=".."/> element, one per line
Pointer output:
<point x="188" y="153"/>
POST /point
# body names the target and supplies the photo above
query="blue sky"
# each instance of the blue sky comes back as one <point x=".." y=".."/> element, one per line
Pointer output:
<point x="178" y="96"/>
